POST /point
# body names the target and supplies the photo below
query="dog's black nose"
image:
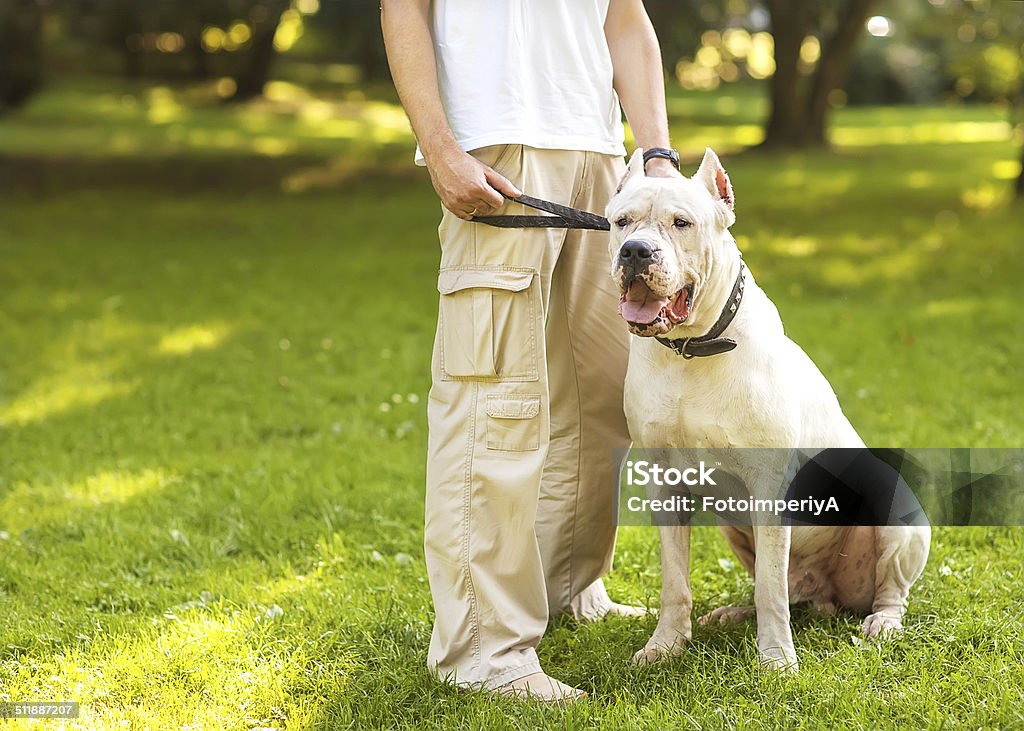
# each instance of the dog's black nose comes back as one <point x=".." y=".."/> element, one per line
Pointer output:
<point x="635" y="252"/>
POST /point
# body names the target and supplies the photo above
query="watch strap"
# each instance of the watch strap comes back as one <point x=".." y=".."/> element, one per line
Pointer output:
<point x="671" y="155"/>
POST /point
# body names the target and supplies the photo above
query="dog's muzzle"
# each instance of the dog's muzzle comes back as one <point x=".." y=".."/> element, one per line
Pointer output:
<point x="647" y="312"/>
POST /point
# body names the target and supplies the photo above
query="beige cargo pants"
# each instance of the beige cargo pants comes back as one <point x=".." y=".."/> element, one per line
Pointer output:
<point x="523" y="414"/>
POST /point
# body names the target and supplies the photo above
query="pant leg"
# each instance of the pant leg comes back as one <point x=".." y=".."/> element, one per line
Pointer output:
<point x="587" y="350"/>
<point x="488" y="421"/>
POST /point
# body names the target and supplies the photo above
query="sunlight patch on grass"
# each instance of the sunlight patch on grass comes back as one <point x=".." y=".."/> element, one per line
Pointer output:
<point x="797" y="246"/>
<point x="89" y="361"/>
<point x="114" y="486"/>
<point x="184" y="340"/>
<point x="206" y="664"/>
<point x="1006" y="169"/>
<point x="163" y="106"/>
<point x="922" y="133"/>
<point x="919" y="179"/>
<point x="273" y="146"/>
<point x="77" y="386"/>
<point x="338" y="128"/>
<point x="721" y="137"/>
<point x="317" y="112"/>
<point x="792" y="177"/>
<point x="285" y="91"/>
<point x="959" y="307"/>
<point x="894" y="266"/>
<point x="985" y="197"/>
<point x="389" y="117"/>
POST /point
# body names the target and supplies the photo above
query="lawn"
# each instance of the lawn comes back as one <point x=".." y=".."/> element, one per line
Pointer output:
<point x="215" y="327"/>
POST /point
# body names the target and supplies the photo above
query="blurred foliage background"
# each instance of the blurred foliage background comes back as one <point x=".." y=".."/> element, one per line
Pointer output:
<point x="816" y="55"/>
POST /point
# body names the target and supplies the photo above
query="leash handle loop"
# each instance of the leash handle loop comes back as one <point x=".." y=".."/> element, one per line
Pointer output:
<point x="563" y="216"/>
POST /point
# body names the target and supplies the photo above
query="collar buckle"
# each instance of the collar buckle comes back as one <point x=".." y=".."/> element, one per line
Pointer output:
<point x="680" y="347"/>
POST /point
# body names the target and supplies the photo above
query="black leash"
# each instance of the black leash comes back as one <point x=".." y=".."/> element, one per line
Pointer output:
<point x="711" y="343"/>
<point x="564" y="216"/>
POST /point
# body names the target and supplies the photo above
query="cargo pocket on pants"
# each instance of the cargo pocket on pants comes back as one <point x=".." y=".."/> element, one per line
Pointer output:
<point x="513" y="422"/>
<point x="489" y="323"/>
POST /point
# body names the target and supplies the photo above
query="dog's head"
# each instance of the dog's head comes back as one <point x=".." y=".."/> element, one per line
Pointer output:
<point x="666" y="234"/>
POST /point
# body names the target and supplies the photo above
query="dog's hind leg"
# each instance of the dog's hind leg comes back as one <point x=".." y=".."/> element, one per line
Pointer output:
<point x="674" y="623"/>
<point x="726" y="615"/>
<point x="742" y="544"/>
<point x="902" y="554"/>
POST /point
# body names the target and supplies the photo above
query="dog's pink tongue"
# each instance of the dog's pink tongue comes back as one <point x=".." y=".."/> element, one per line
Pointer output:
<point x="639" y="304"/>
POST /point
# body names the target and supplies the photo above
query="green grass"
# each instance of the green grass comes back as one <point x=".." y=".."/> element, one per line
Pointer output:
<point x="215" y="329"/>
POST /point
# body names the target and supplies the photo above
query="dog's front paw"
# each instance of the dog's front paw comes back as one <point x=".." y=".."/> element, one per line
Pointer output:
<point x="882" y="624"/>
<point x="654" y="652"/>
<point x="779" y="659"/>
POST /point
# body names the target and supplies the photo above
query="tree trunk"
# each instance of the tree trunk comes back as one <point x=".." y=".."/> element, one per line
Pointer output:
<point x="789" y="26"/>
<point x="256" y="73"/>
<point x="836" y="55"/>
<point x="127" y="24"/>
<point x="799" y="118"/>
<point x="370" y="61"/>
<point x="200" y="59"/>
<point x="132" y="67"/>
<point x="21" y="52"/>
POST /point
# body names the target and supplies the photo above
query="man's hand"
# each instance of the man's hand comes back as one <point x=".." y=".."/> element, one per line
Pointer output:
<point x="465" y="185"/>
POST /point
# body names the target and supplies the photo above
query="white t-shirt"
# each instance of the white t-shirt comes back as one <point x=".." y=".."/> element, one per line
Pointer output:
<point x="531" y="72"/>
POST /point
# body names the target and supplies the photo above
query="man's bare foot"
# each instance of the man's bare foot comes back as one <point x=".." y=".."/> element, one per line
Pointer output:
<point x="541" y="687"/>
<point x="593" y="603"/>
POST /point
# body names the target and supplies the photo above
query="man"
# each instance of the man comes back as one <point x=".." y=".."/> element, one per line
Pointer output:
<point x="529" y="359"/>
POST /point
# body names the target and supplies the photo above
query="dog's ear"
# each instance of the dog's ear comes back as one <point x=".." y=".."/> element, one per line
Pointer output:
<point x="713" y="175"/>
<point x="634" y="169"/>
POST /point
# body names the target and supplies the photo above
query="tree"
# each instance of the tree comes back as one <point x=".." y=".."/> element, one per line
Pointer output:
<point x="354" y="29"/>
<point x="679" y="25"/>
<point x="255" y="73"/>
<point x="799" y="106"/>
<point x="21" y="52"/>
<point x="978" y="47"/>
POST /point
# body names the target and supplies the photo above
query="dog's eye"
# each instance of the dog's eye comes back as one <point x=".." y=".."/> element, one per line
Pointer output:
<point x="680" y="223"/>
<point x="622" y="222"/>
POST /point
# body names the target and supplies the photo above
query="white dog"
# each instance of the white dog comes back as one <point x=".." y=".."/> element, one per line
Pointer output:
<point x="747" y="385"/>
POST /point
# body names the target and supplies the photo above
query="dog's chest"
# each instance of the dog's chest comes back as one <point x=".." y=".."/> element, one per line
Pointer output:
<point x="680" y="408"/>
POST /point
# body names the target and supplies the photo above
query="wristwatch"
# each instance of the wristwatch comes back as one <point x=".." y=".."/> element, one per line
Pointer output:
<point x="671" y="155"/>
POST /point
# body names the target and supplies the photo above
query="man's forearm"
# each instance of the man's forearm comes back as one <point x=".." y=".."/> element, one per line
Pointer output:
<point x="410" y="49"/>
<point x="465" y="186"/>
<point x="638" y="79"/>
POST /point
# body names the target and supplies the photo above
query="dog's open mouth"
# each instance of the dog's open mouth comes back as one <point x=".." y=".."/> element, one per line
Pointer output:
<point x="641" y="307"/>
